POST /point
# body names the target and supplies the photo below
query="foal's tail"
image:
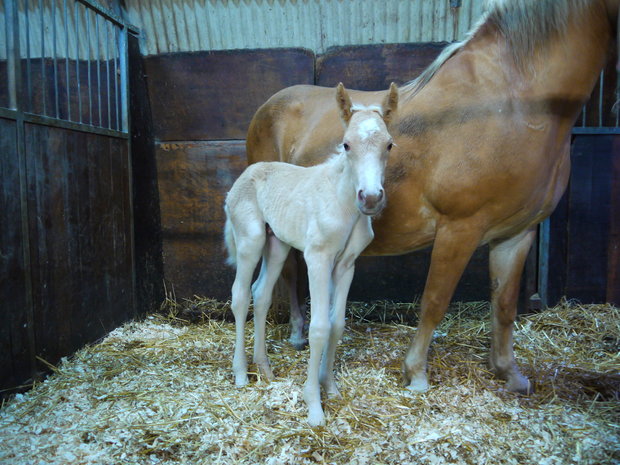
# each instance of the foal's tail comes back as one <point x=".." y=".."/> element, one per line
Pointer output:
<point x="229" y="242"/>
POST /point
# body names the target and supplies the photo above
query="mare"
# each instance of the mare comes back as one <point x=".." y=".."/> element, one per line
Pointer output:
<point x="325" y="212"/>
<point x="481" y="156"/>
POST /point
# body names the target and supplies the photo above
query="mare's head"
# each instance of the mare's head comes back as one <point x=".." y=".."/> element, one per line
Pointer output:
<point x="367" y="144"/>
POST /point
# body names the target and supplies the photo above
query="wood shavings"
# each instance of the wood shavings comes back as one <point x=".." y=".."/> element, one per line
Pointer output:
<point x="160" y="391"/>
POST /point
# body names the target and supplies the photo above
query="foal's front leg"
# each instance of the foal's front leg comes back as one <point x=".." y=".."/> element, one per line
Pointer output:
<point x="343" y="273"/>
<point x="319" y="276"/>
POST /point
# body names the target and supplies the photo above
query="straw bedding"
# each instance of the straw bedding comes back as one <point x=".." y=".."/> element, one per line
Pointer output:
<point x="160" y="391"/>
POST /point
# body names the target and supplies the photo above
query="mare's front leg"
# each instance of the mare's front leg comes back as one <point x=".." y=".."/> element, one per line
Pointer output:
<point x="454" y="245"/>
<point x="344" y="269"/>
<point x="319" y="277"/>
<point x="274" y="255"/>
<point x="506" y="260"/>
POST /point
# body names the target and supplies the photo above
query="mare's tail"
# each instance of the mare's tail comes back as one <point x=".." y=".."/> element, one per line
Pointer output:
<point x="229" y="242"/>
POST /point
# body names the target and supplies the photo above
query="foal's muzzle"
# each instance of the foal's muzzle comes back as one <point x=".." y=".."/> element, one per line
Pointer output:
<point x="371" y="204"/>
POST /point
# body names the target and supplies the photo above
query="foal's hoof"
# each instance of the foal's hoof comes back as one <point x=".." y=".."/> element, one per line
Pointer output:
<point x="418" y="385"/>
<point x="241" y="380"/>
<point x="316" y="418"/>
<point x="265" y="371"/>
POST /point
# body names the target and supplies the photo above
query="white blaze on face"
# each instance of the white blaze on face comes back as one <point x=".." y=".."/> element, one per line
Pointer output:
<point x="367" y="128"/>
<point x="368" y="139"/>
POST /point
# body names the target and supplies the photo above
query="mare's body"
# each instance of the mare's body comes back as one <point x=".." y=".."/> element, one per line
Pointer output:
<point x="481" y="152"/>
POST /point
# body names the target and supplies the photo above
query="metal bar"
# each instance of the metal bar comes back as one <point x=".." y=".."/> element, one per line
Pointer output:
<point x="123" y="52"/>
<point x="67" y="82"/>
<point x="107" y="14"/>
<point x="43" y="77"/>
<point x="116" y="98"/>
<point x="55" y="60"/>
<point x="543" y="261"/>
<point x="90" y="101"/>
<point x="600" y="98"/>
<point x="98" y="71"/>
<point x="594" y="131"/>
<point x="77" y="59"/>
<point x="28" y="69"/>
<point x="12" y="50"/>
<point x="107" y="69"/>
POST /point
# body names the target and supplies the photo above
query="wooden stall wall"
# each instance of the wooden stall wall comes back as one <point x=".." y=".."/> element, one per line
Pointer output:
<point x="202" y="105"/>
<point x="146" y="207"/>
<point x="68" y="236"/>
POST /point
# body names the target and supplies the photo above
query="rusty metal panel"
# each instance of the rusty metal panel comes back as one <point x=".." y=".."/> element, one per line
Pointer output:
<point x="198" y="25"/>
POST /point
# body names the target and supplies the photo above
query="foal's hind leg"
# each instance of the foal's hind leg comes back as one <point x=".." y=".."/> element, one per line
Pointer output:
<point x="453" y="247"/>
<point x="249" y="247"/>
<point x="506" y="260"/>
<point x="274" y="255"/>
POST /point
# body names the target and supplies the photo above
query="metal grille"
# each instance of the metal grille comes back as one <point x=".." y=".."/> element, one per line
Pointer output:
<point x="66" y="60"/>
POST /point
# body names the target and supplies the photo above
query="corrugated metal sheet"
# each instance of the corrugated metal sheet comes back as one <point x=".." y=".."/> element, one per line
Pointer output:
<point x="194" y="25"/>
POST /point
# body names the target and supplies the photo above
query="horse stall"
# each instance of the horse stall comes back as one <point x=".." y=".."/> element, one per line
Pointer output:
<point x="123" y="126"/>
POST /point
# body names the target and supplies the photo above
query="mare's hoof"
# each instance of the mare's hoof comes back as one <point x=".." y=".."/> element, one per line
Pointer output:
<point x="241" y="380"/>
<point x="299" y="344"/>
<point x="520" y="385"/>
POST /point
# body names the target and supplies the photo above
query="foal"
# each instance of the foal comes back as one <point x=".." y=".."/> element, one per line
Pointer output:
<point x="323" y="211"/>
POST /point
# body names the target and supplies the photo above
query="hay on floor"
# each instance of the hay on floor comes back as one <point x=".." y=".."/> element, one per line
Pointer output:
<point x="160" y="391"/>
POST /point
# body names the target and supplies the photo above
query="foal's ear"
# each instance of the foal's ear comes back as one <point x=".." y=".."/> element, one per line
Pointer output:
<point x="344" y="103"/>
<point x="390" y="103"/>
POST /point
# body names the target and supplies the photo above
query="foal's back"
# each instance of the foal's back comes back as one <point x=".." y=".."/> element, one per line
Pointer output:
<point x="296" y="202"/>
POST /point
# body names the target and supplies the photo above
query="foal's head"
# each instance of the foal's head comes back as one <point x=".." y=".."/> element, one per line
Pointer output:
<point x="367" y="144"/>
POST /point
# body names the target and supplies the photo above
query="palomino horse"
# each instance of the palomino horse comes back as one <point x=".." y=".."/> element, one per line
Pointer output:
<point x="481" y="155"/>
<point x="324" y="211"/>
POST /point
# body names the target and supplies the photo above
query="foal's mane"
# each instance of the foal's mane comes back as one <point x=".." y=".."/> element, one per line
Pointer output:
<point x="526" y="26"/>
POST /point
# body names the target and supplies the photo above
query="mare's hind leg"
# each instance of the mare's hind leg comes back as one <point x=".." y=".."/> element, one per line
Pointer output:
<point x="293" y="275"/>
<point x="453" y="247"/>
<point x="506" y="260"/>
<point x="249" y="247"/>
<point x="274" y="255"/>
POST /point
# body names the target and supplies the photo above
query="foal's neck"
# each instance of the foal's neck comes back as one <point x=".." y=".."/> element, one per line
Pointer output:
<point x="342" y="175"/>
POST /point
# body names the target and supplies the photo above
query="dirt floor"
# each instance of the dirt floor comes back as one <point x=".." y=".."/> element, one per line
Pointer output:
<point x="160" y="391"/>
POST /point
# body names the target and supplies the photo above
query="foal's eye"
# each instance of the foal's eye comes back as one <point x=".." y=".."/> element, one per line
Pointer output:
<point x="346" y="146"/>
<point x="389" y="147"/>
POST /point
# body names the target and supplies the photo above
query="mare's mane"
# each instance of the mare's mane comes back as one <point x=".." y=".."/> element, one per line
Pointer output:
<point x="526" y="26"/>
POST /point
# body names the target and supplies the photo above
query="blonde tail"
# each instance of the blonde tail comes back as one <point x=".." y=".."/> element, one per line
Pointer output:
<point x="229" y="241"/>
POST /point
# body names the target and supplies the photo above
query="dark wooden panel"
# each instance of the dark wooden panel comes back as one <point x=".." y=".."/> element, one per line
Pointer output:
<point x="15" y="356"/>
<point x="4" y="84"/>
<point x="613" y="249"/>
<point x="193" y="180"/>
<point x="402" y="278"/>
<point x="147" y="218"/>
<point x="374" y="67"/>
<point x="78" y="190"/>
<point x="589" y="218"/>
<point x="213" y="95"/>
